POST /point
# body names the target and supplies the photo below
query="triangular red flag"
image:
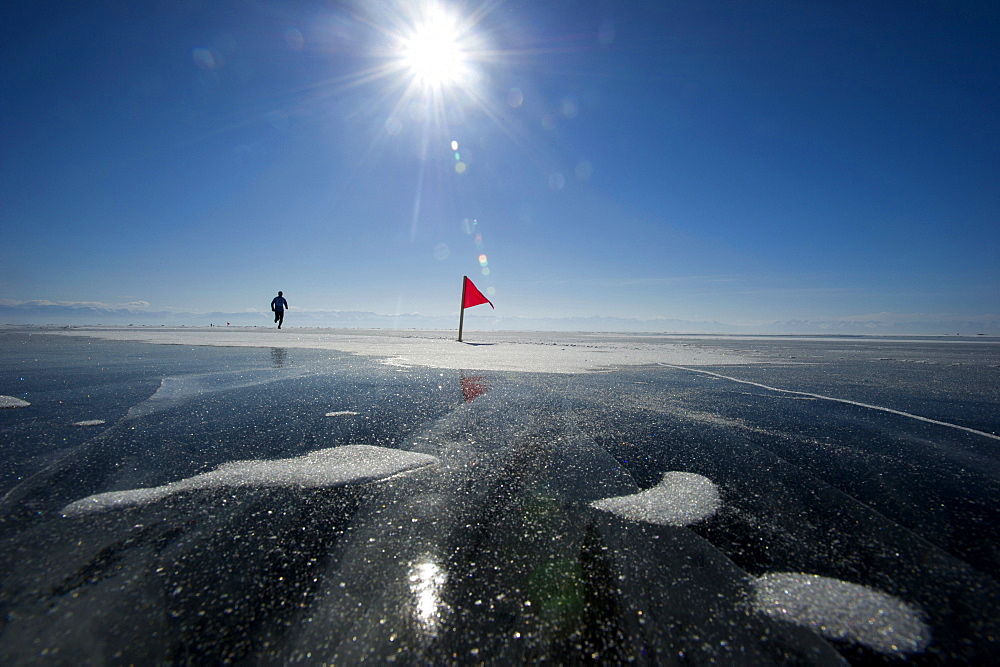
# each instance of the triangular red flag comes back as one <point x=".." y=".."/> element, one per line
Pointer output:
<point x="473" y="297"/>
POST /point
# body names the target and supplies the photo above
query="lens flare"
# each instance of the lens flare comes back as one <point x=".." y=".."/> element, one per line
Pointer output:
<point x="568" y="108"/>
<point x="206" y="58"/>
<point x="294" y="39"/>
<point x="393" y="126"/>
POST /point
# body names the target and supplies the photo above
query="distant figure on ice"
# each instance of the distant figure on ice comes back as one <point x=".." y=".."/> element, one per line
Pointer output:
<point x="278" y="305"/>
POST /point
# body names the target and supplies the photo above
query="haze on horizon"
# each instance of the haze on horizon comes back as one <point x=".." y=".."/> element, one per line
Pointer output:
<point x="765" y="166"/>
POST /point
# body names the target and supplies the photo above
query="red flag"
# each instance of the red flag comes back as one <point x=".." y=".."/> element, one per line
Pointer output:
<point x="473" y="297"/>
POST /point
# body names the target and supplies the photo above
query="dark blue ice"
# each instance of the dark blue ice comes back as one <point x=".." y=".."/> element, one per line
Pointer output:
<point x="183" y="503"/>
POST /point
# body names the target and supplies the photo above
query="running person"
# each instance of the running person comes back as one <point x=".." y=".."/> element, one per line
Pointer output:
<point x="278" y="305"/>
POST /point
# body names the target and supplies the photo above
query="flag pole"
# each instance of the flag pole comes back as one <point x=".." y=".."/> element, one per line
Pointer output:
<point x="461" y="309"/>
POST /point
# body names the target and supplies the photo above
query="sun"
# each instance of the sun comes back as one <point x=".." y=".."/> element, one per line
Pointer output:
<point x="438" y="49"/>
<point x="433" y="54"/>
<point x="431" y="61"/>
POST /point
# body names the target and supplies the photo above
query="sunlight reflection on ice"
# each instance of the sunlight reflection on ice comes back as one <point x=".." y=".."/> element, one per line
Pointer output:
<point x="427" y="580"/>
<point x="842" y="611"/>
<point x="680" y="499"/>
<point x="337" y="466"/>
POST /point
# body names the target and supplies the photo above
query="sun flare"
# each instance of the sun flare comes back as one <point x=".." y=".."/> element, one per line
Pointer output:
<point x="433" y="54"/>
<point x="434" y="63"/>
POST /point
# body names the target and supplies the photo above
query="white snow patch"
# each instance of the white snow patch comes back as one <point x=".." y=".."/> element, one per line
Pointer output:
<point x="680" y="499"/>
<point x="843" y="611"/>
<point x="541" y="352"/>
<point x="337" y="466"/>
<point x="341" y="413"/>
<point x="11" y="402"/>
<point x="89" y="422"/>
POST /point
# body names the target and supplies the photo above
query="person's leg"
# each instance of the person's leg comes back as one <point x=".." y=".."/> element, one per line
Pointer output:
<point x="281" y="318"/>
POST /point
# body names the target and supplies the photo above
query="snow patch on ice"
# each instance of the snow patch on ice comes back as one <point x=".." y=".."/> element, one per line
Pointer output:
<point x="12" y="402"/>
<point x="843" y="611"/>
<point x="89" y="422"/>
<point x="540" y="352"/>
<point x="334" y="467"/>
<point x="680" y="499"/>
<point x="341" y="413"/>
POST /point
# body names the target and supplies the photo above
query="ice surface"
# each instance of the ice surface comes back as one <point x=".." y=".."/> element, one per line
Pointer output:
<point x="176" y="390"/>
<point x="12" y="402"/>
<point x="680" y="499"/>
<point x="842" y="611"/>
<point x="802" y="395"/>
<point x="336" y="466"/>
<point x="502" y="547"/>
<point x="531" y="351"/>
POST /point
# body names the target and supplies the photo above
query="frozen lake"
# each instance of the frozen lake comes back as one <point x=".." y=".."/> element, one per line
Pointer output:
<point x="333" y="496"/>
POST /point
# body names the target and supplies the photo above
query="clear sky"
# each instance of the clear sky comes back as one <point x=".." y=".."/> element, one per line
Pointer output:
<point x="732" y="162"/>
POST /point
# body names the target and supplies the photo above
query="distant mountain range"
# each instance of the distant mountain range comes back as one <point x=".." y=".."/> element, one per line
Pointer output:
<point x="43" y="312"/>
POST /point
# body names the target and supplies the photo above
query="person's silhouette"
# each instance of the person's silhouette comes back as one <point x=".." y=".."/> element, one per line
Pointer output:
<point x="278" y="305"/>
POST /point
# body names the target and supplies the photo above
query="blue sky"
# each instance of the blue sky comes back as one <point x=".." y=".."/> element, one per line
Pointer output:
<point x="738" y="163"/>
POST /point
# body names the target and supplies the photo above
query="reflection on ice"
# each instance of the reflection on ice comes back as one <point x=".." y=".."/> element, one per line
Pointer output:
<point x="473" y="386"/>
<point x="427" y="580"/>
<point x="279" y="357"/>
<point x="680" y="499"/>
<point x="337" y="466"/>
<point x="842" y="611"/>
<point x="12" y="402"/>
